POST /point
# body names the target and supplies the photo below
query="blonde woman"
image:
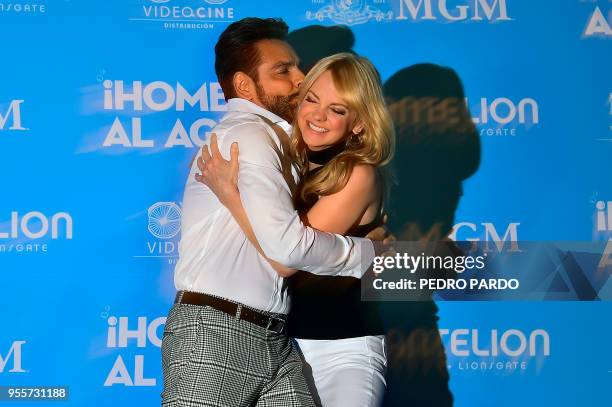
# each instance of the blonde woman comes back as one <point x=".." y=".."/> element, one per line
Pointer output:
<point x="342" y="138"/>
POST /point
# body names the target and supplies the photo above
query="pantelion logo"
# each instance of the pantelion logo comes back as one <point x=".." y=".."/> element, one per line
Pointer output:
<point x="502" y="116"/>
<point x="495" y="350"/>
<point x="23" y="7"/>
<point x="29" y="232"/>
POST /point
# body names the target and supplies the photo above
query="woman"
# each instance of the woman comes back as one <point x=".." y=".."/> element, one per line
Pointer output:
<point x="342" y="137"/>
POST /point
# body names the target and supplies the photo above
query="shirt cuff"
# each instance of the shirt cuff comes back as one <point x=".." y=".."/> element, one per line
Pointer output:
<point x="365" y="251"/>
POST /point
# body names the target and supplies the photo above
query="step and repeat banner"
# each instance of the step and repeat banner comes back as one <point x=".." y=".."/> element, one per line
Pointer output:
<point x="103" y="104"/>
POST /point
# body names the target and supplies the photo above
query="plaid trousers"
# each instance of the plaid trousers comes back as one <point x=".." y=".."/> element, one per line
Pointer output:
<point x="210" y="358"/>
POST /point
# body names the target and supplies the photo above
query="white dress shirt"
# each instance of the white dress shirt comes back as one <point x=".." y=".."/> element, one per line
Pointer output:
<point x="215" y="256"/>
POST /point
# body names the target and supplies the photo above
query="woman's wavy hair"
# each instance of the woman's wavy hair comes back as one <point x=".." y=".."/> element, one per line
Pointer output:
<point x="359" y="86"/>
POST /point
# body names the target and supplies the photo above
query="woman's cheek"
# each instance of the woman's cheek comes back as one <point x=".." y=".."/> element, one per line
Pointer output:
<point x="303" y="113"/>
<point x="338" y="125"/>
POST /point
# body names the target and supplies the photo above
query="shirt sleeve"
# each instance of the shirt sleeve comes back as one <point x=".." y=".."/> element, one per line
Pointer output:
<point x="267" y="200"/>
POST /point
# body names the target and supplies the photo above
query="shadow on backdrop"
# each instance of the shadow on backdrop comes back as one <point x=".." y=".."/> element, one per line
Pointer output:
<point x="437" y="148"/>
<point x="315" y="42"/>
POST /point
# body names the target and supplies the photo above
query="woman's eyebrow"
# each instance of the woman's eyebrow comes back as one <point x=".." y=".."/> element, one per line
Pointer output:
<point x="335" y="104"/>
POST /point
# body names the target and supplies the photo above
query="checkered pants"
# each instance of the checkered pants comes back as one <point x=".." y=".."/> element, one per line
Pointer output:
<point x="210" y="358"/>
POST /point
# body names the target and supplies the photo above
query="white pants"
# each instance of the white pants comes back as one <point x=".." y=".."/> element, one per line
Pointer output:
<point x="347" y="372"/>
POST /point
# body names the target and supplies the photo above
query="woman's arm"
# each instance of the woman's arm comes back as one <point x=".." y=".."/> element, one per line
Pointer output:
<point x="339" y="212"/>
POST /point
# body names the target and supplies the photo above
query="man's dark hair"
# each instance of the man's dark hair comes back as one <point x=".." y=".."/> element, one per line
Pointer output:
<point x="236" y="49"/>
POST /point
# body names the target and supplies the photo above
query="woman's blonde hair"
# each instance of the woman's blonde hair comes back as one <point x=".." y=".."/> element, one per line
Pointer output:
<point x="359" y="86"/>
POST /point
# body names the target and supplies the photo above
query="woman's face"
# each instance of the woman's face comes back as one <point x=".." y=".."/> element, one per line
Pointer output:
<point x="323" y="117"/>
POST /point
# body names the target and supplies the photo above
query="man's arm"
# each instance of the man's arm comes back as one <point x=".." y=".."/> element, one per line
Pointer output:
<point x="277" y="226"/>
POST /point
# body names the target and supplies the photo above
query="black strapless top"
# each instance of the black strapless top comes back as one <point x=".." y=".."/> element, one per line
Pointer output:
<point x="330" y="307"/>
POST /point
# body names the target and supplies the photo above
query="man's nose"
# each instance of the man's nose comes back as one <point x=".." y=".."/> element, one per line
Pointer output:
<point x="298" y="78"/>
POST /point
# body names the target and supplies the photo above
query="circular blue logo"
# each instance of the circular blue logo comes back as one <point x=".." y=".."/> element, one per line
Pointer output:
<point x="164" y="220"/>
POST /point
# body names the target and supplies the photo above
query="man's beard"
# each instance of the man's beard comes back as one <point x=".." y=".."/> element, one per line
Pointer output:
<point x="282" y="106"/>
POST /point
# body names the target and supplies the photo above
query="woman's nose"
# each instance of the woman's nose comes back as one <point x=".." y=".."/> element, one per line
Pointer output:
<point x="319" y="114"/>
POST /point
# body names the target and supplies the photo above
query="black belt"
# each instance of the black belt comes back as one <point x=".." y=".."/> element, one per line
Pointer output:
<point x="232" y="308"/>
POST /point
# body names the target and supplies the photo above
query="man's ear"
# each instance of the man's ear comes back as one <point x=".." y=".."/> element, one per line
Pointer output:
<point x="244" y="86"/>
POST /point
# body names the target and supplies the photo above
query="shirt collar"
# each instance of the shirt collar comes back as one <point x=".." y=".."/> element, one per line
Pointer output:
<point x="246" y="106"/>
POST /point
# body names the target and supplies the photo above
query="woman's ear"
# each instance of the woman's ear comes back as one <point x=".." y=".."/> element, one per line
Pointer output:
<point x="358" y="128"/>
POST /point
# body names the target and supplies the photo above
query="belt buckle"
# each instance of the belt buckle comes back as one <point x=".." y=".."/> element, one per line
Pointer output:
<point x="272" y="320"/>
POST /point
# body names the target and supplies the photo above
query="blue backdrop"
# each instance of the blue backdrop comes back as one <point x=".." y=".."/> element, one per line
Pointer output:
<point x="89" y="172"/>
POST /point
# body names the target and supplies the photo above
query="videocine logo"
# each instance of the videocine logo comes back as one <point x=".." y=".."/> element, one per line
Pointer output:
<point x="161" y="9"/>
<point x="11" y="119"/>
<point x="207" y="1"/>
<point x="164" y="225"/>
<point x="184" y="14"/>
<point x="164" y="220"/>
<point x="14" y="354"/>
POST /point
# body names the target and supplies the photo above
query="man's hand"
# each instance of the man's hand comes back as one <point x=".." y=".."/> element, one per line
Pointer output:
<point x="220" y="175"/>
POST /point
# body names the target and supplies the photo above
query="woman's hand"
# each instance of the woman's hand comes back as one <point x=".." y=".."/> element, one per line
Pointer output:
<point x="383" y="239"/>
<point x="220" y="175"/>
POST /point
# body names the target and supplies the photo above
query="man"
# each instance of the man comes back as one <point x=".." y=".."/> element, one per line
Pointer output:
<point x="223" y="342"/>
